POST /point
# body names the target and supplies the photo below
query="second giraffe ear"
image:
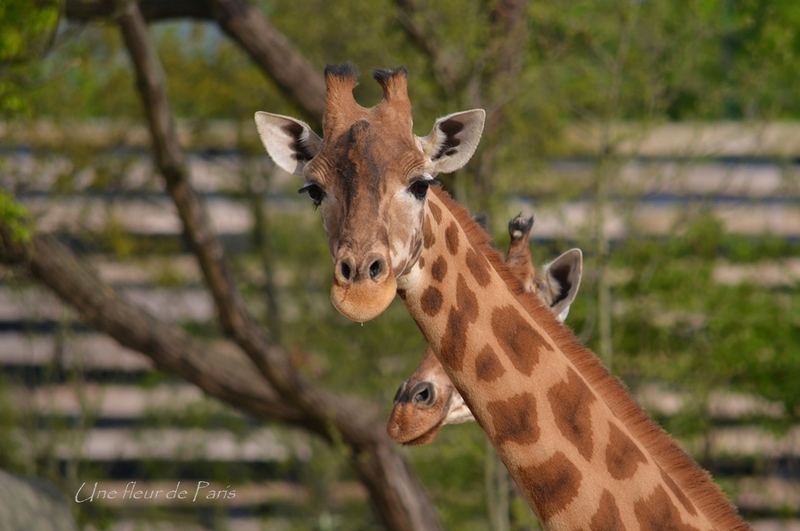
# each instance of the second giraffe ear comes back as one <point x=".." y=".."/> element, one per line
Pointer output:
<point x="563" y="278"/>
<point x="291" y="143"/>
<point x="453" y="140"/>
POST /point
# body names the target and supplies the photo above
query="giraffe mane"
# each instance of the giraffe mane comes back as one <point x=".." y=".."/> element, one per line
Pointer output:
<point x="690" y="478"/>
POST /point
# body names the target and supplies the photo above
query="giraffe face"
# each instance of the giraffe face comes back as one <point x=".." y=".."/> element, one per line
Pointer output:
<point x="369" y="184"/>
<point x="369" y="177"/>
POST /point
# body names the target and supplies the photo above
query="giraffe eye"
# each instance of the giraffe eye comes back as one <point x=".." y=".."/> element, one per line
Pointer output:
<point x="424" y="395"/>
<point x="314" y="191"/>
<point x="419" y="187"/>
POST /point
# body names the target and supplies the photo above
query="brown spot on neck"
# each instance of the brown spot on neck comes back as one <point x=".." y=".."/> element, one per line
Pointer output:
<point x="487" y="365"/>
<point x="571" y="402"/>
<point x="607" y="517"/>
<point x="435" y="211"/>
<point x="515" y="420"/>
<point x="466" y="299"/>
<point x="622" y="454"/>
<point x="519" y="341"/>
<point x="431" y="301"/>
<point x="428" y="238"/>
<point x="657" y="513"/>
<point x="461" y="316"/>
<point x="479" y="267"/>
<point x="454" y="340"/>
<point x="451" y="237"/>
<point x="439" y="268"/>
<point x="552" y="485"/>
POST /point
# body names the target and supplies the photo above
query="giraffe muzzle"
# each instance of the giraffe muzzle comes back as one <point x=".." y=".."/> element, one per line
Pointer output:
<point x="363" y="287"/>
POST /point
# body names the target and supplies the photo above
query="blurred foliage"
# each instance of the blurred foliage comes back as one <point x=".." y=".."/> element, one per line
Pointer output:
<point x="684" y="327"/>
<point x="15" y="216"/>
<point x="26" y="31"/>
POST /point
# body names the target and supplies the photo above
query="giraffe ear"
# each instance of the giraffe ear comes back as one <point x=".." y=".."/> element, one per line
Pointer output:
<point x="291" y="143"/>
<point x="563" y="278"/>
<point x="453" y="140"/>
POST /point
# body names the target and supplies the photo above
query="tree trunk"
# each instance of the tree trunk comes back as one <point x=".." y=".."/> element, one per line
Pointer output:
<point x="31" y="504"/>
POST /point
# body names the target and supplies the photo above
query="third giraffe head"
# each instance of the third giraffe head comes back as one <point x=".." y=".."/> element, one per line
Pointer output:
<point x="369" y="176"/>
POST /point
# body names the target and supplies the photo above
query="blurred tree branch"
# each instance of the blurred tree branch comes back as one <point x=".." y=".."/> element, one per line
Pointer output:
<point x="82" y="10"/>
<point x="424" y="38"/>
<point x="300" y="80"/>
<point x="170" y="347"/>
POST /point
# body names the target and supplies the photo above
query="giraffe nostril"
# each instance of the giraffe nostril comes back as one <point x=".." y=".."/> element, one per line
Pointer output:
<point x="346" y="271"/>
<point x="376" y="268"/>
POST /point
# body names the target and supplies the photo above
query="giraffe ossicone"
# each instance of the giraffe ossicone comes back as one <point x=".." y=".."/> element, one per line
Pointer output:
<point x="428" y="400"/>
<point x="582" y="452"/>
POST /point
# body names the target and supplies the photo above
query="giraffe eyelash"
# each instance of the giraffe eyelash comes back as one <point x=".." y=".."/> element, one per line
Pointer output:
<point x="314" y="191"/>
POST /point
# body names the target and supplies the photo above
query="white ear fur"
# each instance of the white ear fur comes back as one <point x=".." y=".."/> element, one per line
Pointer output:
<point x="563" y="278"/>
<point x="453" y="140"/>
<point x="291" y="143"/>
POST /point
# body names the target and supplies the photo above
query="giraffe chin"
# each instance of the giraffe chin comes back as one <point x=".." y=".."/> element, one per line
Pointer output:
<point x="363" y="301"/>
<point x="425" y="438"/>
<point x="404" y="427"/>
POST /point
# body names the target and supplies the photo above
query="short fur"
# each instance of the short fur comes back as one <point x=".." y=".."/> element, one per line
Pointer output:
<point x="691" y="479"/>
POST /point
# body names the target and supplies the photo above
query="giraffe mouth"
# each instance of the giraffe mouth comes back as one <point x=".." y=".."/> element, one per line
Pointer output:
<point x="363" y="301"/>
<point x="425" y="438"/>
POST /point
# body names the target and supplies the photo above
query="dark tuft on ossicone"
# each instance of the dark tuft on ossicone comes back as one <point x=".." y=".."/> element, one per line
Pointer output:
<point x="344" y="70"/>
<point x="381" y="75"/>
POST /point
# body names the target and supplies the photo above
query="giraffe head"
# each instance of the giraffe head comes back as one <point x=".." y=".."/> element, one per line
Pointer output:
<point x="429" y="400"/>
<point x="369" y="176"/>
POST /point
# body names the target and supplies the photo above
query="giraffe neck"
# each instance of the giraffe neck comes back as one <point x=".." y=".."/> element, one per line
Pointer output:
<point x="576" y="444"/>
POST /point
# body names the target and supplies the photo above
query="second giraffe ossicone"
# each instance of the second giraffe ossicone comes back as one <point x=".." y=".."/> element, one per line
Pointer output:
<point x="577" y="445"/>
<point x="428" y="400"/>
